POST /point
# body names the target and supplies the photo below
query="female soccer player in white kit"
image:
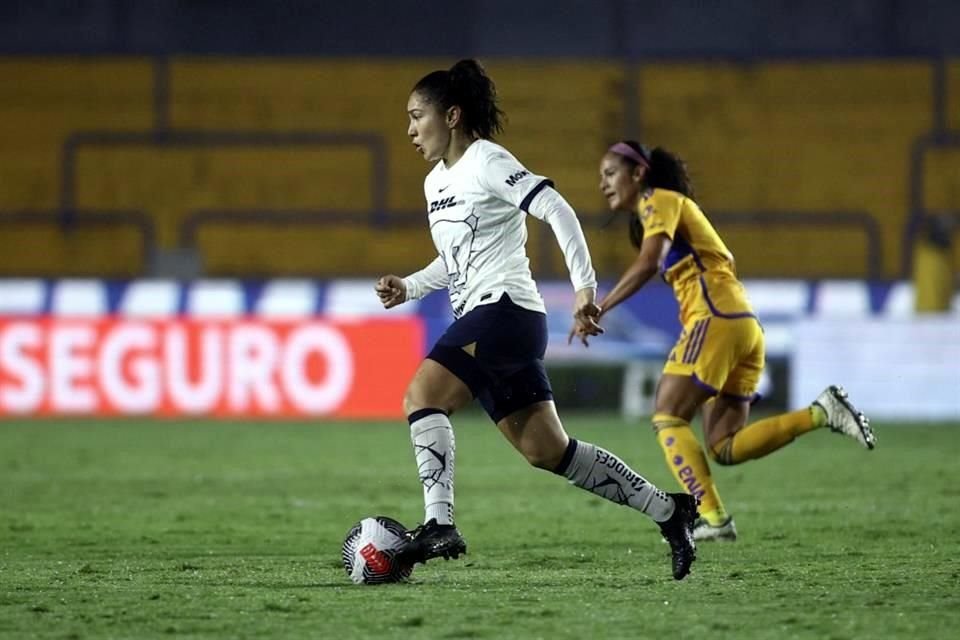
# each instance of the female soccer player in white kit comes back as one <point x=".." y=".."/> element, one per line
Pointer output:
<point x="478" y="196"/>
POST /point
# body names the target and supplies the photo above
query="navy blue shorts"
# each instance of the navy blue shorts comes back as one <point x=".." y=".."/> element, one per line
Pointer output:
<point x="506" y="372"/>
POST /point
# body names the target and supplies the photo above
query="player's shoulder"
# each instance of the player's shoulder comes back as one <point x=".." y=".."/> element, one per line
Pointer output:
<point x="661" y="196"/>
<point x="487" y="151"/>
<point x="660" y="201"/>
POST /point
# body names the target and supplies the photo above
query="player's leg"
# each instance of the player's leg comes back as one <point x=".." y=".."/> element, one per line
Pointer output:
<point x="732" y="441"/>
<point x="432" y="396"/>
<point x="447" y="380"/>
<point x="695" y="369"/>
<point x="729" y="438"/>
<point x="520" y="401"/>
<point x="677" y="400"/>
<point x="537" y="433"/>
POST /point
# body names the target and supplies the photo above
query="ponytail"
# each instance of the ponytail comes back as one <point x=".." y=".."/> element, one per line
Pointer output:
<point x="466" y="85"/>
<point x="668" y="171"/>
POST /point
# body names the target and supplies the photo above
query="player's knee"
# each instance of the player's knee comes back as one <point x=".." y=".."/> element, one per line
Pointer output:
<point x="543" y="453"/>
<point x="546" y="459"/>
<point x="411" y="402"/>
<point x="419" y="396"/>
<point x="721" y="452"/>
<point x="664" y="421"/>
<point x="415" y="399"/>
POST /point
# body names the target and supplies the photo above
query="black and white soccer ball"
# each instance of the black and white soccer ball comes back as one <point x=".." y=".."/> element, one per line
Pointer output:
<point x="370" y="549"/>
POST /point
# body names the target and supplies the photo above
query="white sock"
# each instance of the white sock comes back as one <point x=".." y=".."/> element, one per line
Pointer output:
<point x="601" y="472"/>
<point x="433" y="446"/>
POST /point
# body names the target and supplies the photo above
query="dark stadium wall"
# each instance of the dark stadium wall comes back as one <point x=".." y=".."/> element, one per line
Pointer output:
<point x="583" y="28"/>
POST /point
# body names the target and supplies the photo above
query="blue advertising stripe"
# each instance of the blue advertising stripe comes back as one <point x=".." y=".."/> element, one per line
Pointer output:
<point x="47" y="306"/>
<point x="656" y="310"/>
<point x="115" y="290"/>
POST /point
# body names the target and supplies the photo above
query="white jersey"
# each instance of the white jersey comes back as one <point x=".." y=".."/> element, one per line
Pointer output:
<point x="477" y="214"/>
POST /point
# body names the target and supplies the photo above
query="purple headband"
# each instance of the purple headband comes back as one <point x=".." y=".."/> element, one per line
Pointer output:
<point x="623" y="149"/>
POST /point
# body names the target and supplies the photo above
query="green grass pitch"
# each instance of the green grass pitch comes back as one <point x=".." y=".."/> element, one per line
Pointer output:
<point x="143" y="529"/>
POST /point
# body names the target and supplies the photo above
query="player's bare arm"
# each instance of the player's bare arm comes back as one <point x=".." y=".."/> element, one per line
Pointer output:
<point x="653" y="251"/>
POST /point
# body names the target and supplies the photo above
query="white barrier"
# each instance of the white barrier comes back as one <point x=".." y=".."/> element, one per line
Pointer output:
<point x="894" y="368"/>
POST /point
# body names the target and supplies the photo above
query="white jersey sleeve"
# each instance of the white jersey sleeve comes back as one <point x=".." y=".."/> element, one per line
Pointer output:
<point x="430" y="278"/>
<point x="552" y="208"/>
<point x="505" y="178"/>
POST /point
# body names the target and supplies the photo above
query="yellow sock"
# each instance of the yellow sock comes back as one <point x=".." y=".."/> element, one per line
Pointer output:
<point x="687" y="462"/>
<point x="766" y="436"/>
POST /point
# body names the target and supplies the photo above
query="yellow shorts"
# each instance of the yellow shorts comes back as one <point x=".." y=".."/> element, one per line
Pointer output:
<point x="724" y="355"/>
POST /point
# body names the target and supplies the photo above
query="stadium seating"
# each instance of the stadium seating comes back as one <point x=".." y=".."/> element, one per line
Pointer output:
<point x="343" y="249"/>
<point x="941" y="189"/>
<point x="800" y="137"/>
<point x="556" y="131"/>
<point x="808" y="136"/>
<point x="953" y="95"/>
<point x="172" y="182"/>
<point x="305" y="95"/>
<point x="41" y="247"/>
<point x="42" y="102"/>
<point x="561" y="117"/>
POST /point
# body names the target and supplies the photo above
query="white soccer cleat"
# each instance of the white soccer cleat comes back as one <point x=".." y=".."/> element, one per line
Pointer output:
<point x="726" y="531"/>
<point x="843" y="417"/>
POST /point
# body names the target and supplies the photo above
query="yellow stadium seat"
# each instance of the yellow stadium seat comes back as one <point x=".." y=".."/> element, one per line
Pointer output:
<point x="306" y="95"/>
<point x="804" y="136"/>
<point x="779" y="136"/>
<point x="328" y="250"/>
<point x="560" y="115"/>
<point x="44" y="100"/>
<point x="953" y="95"/>
<point x="172" y="182"/>
<point x="45" y="249"/>
<point x="941" y="190"/>
<point x="941" y="179"/>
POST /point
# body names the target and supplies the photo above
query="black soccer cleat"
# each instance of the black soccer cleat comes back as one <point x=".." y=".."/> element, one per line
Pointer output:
<point x="431" y="540"/>
<point x="678" y="532"/>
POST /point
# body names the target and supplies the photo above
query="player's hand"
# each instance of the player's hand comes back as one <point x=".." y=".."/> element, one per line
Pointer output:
<point x="586" y="316"/>
<point x="391" y="290"/>
<point x="584" y="329"/>
<point x="576" y="331"/>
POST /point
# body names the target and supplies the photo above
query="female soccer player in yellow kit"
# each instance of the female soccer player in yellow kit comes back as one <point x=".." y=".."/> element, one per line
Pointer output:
<point x="717" y="361"/>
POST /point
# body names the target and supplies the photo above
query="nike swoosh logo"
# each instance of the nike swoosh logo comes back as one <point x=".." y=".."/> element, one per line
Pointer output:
<point x="442" y="190"/>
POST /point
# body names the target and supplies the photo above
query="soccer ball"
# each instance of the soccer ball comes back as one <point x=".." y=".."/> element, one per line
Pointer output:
<point x="369" y="551"/>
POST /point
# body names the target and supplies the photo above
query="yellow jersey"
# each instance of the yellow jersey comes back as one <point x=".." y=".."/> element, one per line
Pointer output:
<point x="698" y="267"/>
